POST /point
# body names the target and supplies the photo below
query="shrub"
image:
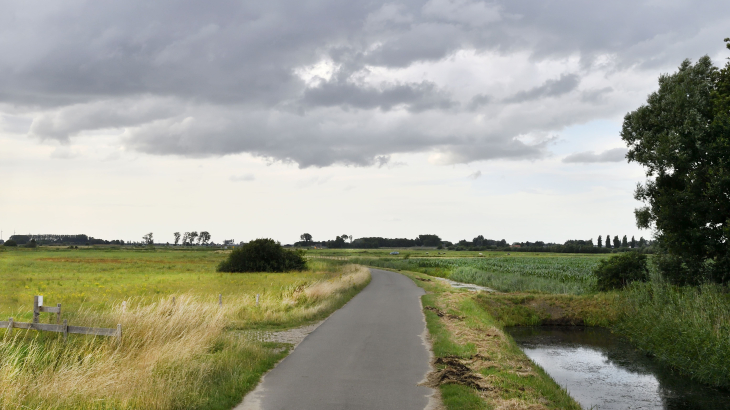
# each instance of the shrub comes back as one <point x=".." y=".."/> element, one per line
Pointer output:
<point x="10" y="242"/>
<point x="31" y="244"/>
<point x="618" y="271"/>
<point x="263" y="255"/>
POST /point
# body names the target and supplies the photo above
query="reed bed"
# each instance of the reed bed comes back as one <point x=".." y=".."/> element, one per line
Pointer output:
<point x="687" y="328"/>
<point x="173" y="355"/>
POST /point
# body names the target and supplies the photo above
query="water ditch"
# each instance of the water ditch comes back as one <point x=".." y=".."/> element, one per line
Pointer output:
<point x="603" y="371"/>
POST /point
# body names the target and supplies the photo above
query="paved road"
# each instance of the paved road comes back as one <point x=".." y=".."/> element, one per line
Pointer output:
<point x="368" y="355"/>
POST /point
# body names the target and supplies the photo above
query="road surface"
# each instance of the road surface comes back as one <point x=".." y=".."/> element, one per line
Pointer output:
<point x="370" y="354"/>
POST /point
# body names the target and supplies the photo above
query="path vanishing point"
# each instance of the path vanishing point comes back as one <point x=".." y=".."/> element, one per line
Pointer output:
<point x="370" y="354"/>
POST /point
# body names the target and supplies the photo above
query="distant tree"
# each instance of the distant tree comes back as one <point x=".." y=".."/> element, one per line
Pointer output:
<point x="339" y="242"/>
<point x="306" y="237"/>
<point x="148" y="239"/>
<point x="600" y="241"/>
<point x="10" y="242"/>
<point x="608" y="241"/>
<point x="633" y="243"/>
<point x="616" y="242"/>
<point x="186" y="238"/>
<point x="429" y="240"/>
<point x="177" y="237"/>
<point x="193" y="236"/>
<point x="624" y="242"/>
<point x="350" y="238"/>
<point x="642" y="242"/>
<point x="478" y="241"/>
<point x="204" y="237"/>
<point x="31" y="244"/>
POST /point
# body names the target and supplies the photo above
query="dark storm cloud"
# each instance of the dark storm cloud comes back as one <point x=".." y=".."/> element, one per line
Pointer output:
<point x="612" y="155"/>
<point x="196" y="78"/>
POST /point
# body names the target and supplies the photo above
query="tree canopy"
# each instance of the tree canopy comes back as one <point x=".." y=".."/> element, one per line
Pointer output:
<point x="682" y="138"/>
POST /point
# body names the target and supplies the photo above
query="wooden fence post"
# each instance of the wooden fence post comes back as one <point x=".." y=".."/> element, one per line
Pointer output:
<point x="257" y="299"/>
<point x="124" y="307"/>
<point x="65" y="330"/>
<point x="119" y="333"/>
<point x="36" y="309"/>
<point x="173" y="301"/>
<point x="10" y="326"/>
<point x="220" y="300"/>
<point x="58" y="314"/>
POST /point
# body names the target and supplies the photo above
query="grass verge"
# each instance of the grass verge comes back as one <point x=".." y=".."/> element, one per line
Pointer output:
<point x="479" y="366"/>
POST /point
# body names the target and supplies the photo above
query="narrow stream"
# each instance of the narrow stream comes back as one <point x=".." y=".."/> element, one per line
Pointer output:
<point x="603" y="371"/>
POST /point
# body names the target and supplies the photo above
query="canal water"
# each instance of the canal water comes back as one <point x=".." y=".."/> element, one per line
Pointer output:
<point x="604" y="372"/>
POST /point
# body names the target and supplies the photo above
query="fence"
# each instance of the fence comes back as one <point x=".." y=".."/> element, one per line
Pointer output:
<point x="64" y="328"/>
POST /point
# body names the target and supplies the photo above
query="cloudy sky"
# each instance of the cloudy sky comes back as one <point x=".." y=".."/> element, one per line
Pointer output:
<point x="368" y="118"/>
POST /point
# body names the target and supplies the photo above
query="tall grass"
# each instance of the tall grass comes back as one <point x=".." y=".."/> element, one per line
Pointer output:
<point x="173" y="356"/>
<point x="685" y="327"/>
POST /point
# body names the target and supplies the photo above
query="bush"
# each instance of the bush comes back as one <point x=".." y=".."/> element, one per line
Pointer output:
<point x="620" y="270"/>
<point x="10" y="242"/>
<point x="263" y="255"/>
<point x="31" y="244"/>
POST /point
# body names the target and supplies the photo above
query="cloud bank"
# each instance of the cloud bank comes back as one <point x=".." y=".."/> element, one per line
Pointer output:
<point x="327" y="82"/>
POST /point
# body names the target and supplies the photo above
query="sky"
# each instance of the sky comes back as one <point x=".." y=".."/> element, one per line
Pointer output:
<point x="367" y="118"/>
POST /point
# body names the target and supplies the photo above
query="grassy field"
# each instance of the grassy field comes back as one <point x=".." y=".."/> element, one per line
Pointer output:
<point x="186" y="355"/>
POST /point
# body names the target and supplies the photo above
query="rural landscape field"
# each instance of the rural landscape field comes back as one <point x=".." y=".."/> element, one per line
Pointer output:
<point x="364" y="205"/>
<point x="182" y="349"/>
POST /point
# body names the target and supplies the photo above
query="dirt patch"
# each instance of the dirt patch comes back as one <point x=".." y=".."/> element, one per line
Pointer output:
<point x="83" y="260"/>
<point x="424" y="279"/>
<point x="457" y="372"/>
<point x="443" y="314"/>
<point x="290" y="336"/>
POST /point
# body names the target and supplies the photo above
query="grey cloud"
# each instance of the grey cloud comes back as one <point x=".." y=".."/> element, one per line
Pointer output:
<point x="415" y="97"/>
<point x="475" y="175"/>
<point x="199" y="79"/>
<point x="551" y="88"/>
<point x="612" y="155"/>
<point x="478" y="101"/>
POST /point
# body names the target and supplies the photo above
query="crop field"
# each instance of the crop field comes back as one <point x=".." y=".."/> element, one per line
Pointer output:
<point x="518" y="272"/>
<point x="190" y="354"/>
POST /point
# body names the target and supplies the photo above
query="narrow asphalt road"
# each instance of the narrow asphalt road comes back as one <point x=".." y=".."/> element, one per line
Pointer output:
<point x="370" y="354"/>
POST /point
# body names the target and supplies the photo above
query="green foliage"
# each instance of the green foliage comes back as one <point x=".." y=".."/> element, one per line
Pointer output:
<point x="682" y="138"/>
<point x="617" y="272"/>
<point x="10" y="242"/>
<point x="684" y="327"/>
<point x="263" y="255"/>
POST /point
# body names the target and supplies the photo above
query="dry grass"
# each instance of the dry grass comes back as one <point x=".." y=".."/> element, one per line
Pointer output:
<point x="171" y="353"/>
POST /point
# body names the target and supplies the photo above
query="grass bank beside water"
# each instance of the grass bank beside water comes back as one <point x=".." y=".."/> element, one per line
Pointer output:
<point x="189" y="354"/>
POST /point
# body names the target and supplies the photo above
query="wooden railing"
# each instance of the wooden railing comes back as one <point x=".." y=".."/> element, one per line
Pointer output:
<point x="64" y="328"/>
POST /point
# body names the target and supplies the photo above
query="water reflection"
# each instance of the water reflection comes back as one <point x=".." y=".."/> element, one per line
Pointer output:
<point x="603" y="371"/>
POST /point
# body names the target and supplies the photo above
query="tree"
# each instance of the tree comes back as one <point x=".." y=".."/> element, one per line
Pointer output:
<point x="10" y="242"/>
<point x="192" y="236"/>
<point x="263" y="255"/>
<point x="350" y="238"/>
<point x="306" y="237"/>
<point x="608" y="241"/>
<point x="682" y="138"/>
<point x="177" y="237"/>
<point x="148" y="239"/>
<point x="186" y="238"/>
<point x="429" y="240"/>
<point x="642" y="242"/>
<point x="633" y="243"/>
<point x="624" y="242"/>
<point x="600" y="241"/>
<point x="204" y="237"/>
<point x="616" y="242"/>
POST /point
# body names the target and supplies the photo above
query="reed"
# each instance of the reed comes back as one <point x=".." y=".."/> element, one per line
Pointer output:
<point x="687" y="328"/>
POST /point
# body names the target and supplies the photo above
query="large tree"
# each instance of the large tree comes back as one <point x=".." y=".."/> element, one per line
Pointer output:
<point x="682" y="138"/>
<point x="600" y="241"/>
